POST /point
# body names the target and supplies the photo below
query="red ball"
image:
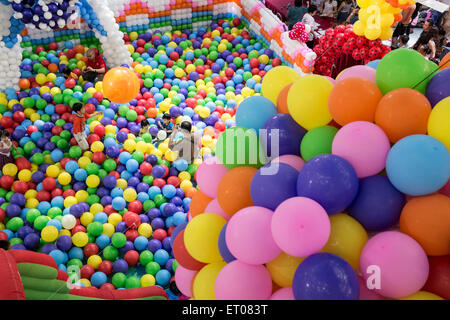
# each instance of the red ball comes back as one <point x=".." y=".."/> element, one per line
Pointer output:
<point x="131" y="257"/>
<point x="174" y="56"/>
<point x="39" y="49"/>
<point x="20" y="187"/>
<point x="159" y="182"/>
<point x="89" y="108"/>
<point x="56" y="130"/>
<point x="132" y="220"/>
<point x="43" y="195"/>
<point x="108" y="209"/>
<point x="70" y="83"/>
<point x="87" y="271"/>
<point x="23" y="163"/>
<point x="30" y="129"/>
<point x="78" y="228"/>
<point x="170" y="230"/>
<point x="90" y="249"/>
<point x="99" y="130"/>
<point x="135" y="206"/>
<point x="77" y="71"/>
<point x="220" y="125"/>
<point x="49" y="184"/>
<point x="229" y="72"/>
<point x="53" y="46"/>
<point x="2" y="217"/>
<point x="175" y="181"/>
<point x="6" y="182"/>
<point x="64" y="161"/>
<point x="45" y="63"/>
<point x="70" y="53"/>
<point x="131" y="235"/>
<point x="159" y="234"/>
<point x="69" y="193"/>
<point x="19" y="116"/>
<point x="107" y="286"/>
<point x="98" y="157"/>
<point x="106" y="267"/>
<point x="140" y="43"/>
<point x="92" y="138"/>
<point x="56" y="192"/>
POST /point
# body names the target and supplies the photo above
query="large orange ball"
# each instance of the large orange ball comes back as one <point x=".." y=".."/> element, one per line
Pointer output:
<point x="354" y="99"/>
<point x="427" y="220"/>
<point x="52" y="67"/>
<point x="233" y="191"/>
<point x="120" y="85"/>
<point x="403" y="112"/>
<point x="24" y="84"/>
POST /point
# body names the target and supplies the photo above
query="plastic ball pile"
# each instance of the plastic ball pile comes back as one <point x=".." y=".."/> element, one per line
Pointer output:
<point x="110" y="212"/>
<point x="354" y="190"/>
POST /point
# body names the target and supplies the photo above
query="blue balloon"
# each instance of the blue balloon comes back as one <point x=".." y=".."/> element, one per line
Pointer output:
<point x="223" y="248"/>
<point x="325" y="276"/>
<point x="418" y="165"/>
<point x="254" y="112"/>
<point x="378" y="204"/>
<point x="373" y="64"/>
<point x="330" y="180"/>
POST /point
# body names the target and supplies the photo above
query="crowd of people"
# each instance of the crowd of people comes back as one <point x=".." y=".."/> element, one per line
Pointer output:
<point x="433" y="43"/>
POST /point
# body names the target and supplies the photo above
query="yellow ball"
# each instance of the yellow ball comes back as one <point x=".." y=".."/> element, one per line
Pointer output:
<point x="31" y="203"/>
<point x="145" y="230"/>
<point x="83" y="162"/>
<point x="204" y="280"/>
<point x="263" y="59"/>
<point x="81" y="195"/>
<point x="139" y="68"/>
<point x="30" y="194"/>
<point x="64" y="178"/>
<point x="163" y="147"/>
<point x="48" y="160"/>
<point x="41" y="78"/>
<point x="88" y="154"/>
<point x="114" y="219"/>
<point x="94" y="261"/>
<point x="171" y="155"/>
<point x="110" y="129"/>
<point x="80" y="239"/>
<point x="35" y="116"/>
<point x="97" y="146"/>
<point x="93" y="124"/>
<point x="184" y="175"/>
<point x="215" y="33"/>
<point x="422" y="295"/>
<point x="130" y="48"/>
<point x="91" y="90"/>
<point x="44" y="89"/>
<point x="204" y="112"/>
<point x="122" y="183"/>
<point x="70" y="201"/>
<point x="186" y="184"/>
<point x="439" y="122"/>
<point x="247" y="92"/>
<point x="147" y="280"/>
<point x="201" y="237"/>
<point x="25" y="175"/>
<point x="141" y="146"/>
<point x="49" y="233"/>
<point x="65" y="232"/>
<point x="55" y="90"/>
<point x="108" y="229"/>
<point x="129" y="194"/>
<point x="92" y="181"/>
<point x="179" y="73"/>
<point x="129" y="145"/>
<point x="85" y="282"/>
<point x="99" y="86"/>
<point x="282" y="269"/>
<point x="157" y="152"/>
<point x="96" y="208"/>
<point x="190" y="68"/>
<point x="86" y="218"/>
<point x="9" y="169"/>
<point x="221" y="47"/>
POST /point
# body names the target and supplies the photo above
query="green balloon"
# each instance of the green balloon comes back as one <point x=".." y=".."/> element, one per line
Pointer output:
<point x="152" y="268"/>
<point x="110" y="253"/>
<point x="145" y="257"/>
<point x="239" y="146"/>
<point x="14" y="224"/>
<point x="118" y="240"/>
<point x="95" y="228"/>
<point x="132" y="283"/>
<point x="118" y="280"/>
<point x="317" y="141"/>
<point x="403" y="68"/>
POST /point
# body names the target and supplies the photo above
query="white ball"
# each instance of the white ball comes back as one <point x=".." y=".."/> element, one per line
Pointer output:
<point x="68" y="221"/>
<point x="162" y="135"/>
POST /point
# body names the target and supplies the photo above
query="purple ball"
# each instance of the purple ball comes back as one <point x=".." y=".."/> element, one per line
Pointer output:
<point x="43" y="167"/>
<point x="144" y="218"/>
<point x="176" y="201"/>
<point x="19" y="246"/>
<point x="112" y="151"/>
<point x="19" y="134"/>
<point x="169" y="264"/>
<point x="109" y="181"/>
<point x="18" y="199"/>
<point x="152" y="159"/>
<point x="153" y="130"/>
<point x="32" y="241"/>
<point x="157" y="223"/>
<point x="120" y="168"/>
<point x="114" y="106"/>
<point x="120" y="266"/>
<point x="180" y="193"/>
<point x="77" y="186"/>
<point x="68" y="126"/>
<point x="142" y="187"/>
<point x="121" y="227"/>
<point x="121" y="136"/>
<point x="50" y="146"/>
<point x="13" y="210"/>
<point x="170" y="209"/>
<point x="158" y="171"/>
<point x="154" y="245"/>
<point x="64" y="243"/>
<point x="133" y="182"/>
<point x="173" y="171"/>
<point x="122" y="123"/>
<point x="106" y="200"/>
<point x="37" y="176"/>
<point x="127" y="247"/>
<point x="166" y="244"/>
<point x="102" y="192"/>
<point x="154" y="213"/>
<point x="24" y="231"/>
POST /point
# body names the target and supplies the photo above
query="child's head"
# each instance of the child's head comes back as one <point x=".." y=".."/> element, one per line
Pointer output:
<point x="67" y="72"/>
<point x="144" y="124"/>
<point x="404" y="39"/>
<point x="4" y="135"/>
<point x="312" y="9"/>
<point x="92" y="53"/>
<point x="166" y="118"/>
<point x="186" y="125"/>
<point x="78" y="108"/>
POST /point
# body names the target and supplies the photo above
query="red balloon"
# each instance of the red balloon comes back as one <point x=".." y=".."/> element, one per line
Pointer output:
<point x="106" y="267"/>
<point x="182" y="255"/>
<point x="87" y="271"/>
<point x="131" y="257"/>
<point x="90" y="249"/>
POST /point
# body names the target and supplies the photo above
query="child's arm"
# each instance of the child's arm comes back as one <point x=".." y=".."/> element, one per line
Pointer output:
<point x="95" y="114"/>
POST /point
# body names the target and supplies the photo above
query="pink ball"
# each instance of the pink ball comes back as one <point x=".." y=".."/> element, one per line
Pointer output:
<point x="283" y="294"/>
<point x="183" y="280"/>
<point x="214" y="207"/>
<point x="241" y="281"/>
<point x="401" y="262"/>
<point x="208" y="176"/>
<point x="294" y="161"/>
<point x="364" y="145"/>
<point x="249" y="238"/>
<point x="359" y="72"/>
<point x="300" y="226"/>
<point x="365" y="293"/>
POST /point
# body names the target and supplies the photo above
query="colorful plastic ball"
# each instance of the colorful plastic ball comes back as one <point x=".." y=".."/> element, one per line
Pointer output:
<point x="118" y="240"/>
<point x="80" y="239"/>
<point x="98" y="279"/>
<point x="68" y="221"/>
<point x="418" y="165"/>
<point x="49" y="233"/>
<point x="120" y="85"/>
<point x="132" y="282"/>
<point x="118" y="280"/>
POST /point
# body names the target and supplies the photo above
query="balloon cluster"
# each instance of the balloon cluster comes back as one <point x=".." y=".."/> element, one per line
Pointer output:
<point x="44" y="15"/>
<point x="300" y="32"/>
<point x="342" y="40"/>
<point x="402" y="4"/>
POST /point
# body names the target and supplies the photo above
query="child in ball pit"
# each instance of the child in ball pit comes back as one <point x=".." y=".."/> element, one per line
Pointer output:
<point x="5" y="148"/>
<point x="144" y="127"/>
<point x="79" y="125"/>
<point x="68" y="74"/>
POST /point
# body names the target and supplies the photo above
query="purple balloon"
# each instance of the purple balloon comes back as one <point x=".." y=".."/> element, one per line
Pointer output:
<point x="330" y="180"/>
<point x="438" y="88"/>
<point x="223" y="249"/>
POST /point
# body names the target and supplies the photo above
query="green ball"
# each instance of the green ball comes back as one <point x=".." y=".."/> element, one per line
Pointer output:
<point x="123" y="110"/>
<point x="75" y="262"/>
<point x="60" y="123"/>
<point x="40" y="222"/>
<point x="32" y="214"/>
<point x="145" y="257"/>
<point x="41" y="104"/>
<point x="317" y="141"/>
<point x="9" y="195"/>
<point x="240" y="146"/>
<point x="152" y="268"/>
<point x="58" y="98"/>
<point x="110" y="253"/>
<point x="175" y="265"/>
<point x="65" y="134"/>
<point x="159" y="200"/>
<point x="75" y="152"/>
<point x="132" y="283"/>
<point x="109" y="165"/>
<point x="148" y="83"/>
<point x="118" y="240"/>
<point x="14" y="224"/>
<point x="14" y="241"/>
<point x="237" y="61"/>
<point x="62" y="144"/>
<point x="138" y="156"/>
<point x="95" y="228"/>
<point x="149" y="204"/>
<point x="4" y="206"/>
<point x="118" y="280"/>
<point x="191" y="169"/>
<point x="3" y="192"/>
<point x="148" y="180"/>
<point x="38" y="158"/>
<point x="92" y="168"/>
<point x="28" y="102"/>
<point x="29" y="146"/>
<point x="53" y="212"/>
<point x="131" y="115"/>
<point x="102" y="173"/>
<point x="93" y="198"/>
<point x="91" y="190"/>
<point x="147" y="137"/>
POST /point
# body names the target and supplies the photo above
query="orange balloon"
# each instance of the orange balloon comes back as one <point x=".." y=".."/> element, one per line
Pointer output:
<point x="120" y="85"/>
<point x="24" y="83"/>
<point x="354" y="99"/>
<point x="427" y="220"/>
<point x="52" y="67"/>
<point x="198" y="203"/>
<point x="445" y="62"/>
<point x="282" y="99"/>
<point x="233" y="191"/>
<point x="190" y="192"/>
<point x="403" y="112"/>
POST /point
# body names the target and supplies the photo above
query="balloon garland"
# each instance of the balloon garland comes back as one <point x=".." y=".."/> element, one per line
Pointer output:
<point x="300" y="32"/>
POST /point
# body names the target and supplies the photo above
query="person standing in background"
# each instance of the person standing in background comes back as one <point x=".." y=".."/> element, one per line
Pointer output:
<point x="308" y="18"/>
<point x="402" y="25"/>
<point x="344" y="11"/>
<point x="295" y="13"/>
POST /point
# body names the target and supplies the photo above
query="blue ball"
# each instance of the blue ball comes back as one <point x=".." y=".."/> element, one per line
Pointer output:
<point x="118" y="203"/>
<point x="58" y="256"/>
<point x="55" y="223"/>
<point x="163" y="277"/>
<point x="102" y="241"/>
<point x="116" y="192"/>
<point x="178" y="218"/>
<point x="132" y="165"/>
<point x="76" y="253"/>
<point x="80" y="175"/>
<point x="140" y="243"/>
<point x="169" y="191"/>
<point x="71" y="166"/>
<point x="161" y="256"/>
<point x="418" y="165"/>
<point x="254" y="112"/>
<point x="101" y="217"/>
<point x="98" y="279"/>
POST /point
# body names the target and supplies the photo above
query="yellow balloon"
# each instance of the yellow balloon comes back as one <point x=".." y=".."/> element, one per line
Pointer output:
<point x="80" y="239"/>
<point x="9" y="169"/>
<point x="439" y="122"/>
<point x="422" y="295"/>
<point x="64" y="178"/>
<point x="201" y="237"/>
<point x="358" y="28"/>
<point x="386" y="33"/>
<point x="204" y="281"/>
<point x="147" y="280"/>
<point x="49" y="233"/>
<point x="92" y="181"/>
<point x="276" y="80"/>
<point x="282" y="269"/>
<point x="308" y="101"/>
<point x="129" y="194"/>
<point x="186" y="184"/>
<point x="347" y="239"/>
<point x="94" y="261"/>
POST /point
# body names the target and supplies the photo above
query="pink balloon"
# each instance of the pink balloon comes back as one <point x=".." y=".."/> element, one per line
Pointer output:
<point x="241" y="281"/>
<point x="398" y="260"/>
<point x="248" y="236"/>
<point x="208" y="176"/>
<point x="331" y="79"/>
<point x="364" y="145"/>
<point x="359" y="72"/>
<point x="294" y="161"/>
<point x="214" y="207"/>
<point x="183" y="280"/>
<point x="365" y="293"/>
<point x="446" y="189"/>
<point x="300" y="226"/>
<point x="283" y="294"/>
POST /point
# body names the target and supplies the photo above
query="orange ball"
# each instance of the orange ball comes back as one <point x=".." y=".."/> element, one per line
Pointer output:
<point x="198" y="203"/>
<point x="120" y="85"/>
<point x="282" y="99"/>
<point x="445" y="62"/>
<point x="427" y="220"/>
<point x="233" y="191"/>
<point x="354" y="99"/>
<point x="52" y="67"/>
<point x="209" y="131"/>
<point x="24" y="84"/>
<point x="79" y="49"/>
<point x="152" y="112"/>
<point x="403" y="112"/>
<point x="190" y="192"/>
